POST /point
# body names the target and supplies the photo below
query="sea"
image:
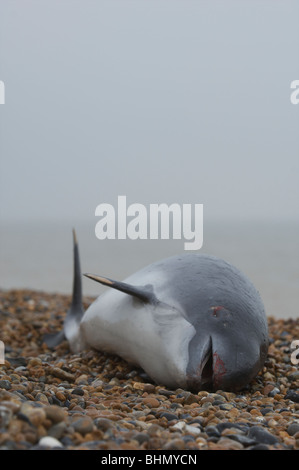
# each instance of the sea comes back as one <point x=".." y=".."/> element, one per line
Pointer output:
<point x="37" y="255"/>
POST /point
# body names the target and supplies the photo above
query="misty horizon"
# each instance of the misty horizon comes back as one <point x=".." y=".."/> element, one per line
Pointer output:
<point x="170" y="101"/>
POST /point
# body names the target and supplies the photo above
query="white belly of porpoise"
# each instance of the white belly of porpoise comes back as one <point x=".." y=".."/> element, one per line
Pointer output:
<point x="156" y="338"/>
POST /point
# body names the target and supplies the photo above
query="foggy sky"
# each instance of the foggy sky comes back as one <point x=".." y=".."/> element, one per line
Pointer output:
<point x="161" y="101"/>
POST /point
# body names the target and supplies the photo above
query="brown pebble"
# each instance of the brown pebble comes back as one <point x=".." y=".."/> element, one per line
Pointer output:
<point x="151" y="402"/>
<point x="37" y="416"/>
<point x="35" y="361"/>
<point x="225" y="443"/>
<point x="154" y="430"/>
<point x="230" y="431"/>
<point x="62" y="374"/>
<point x="31" y="436"/>
<point x="4" y="436"/>
<point x="233" y="413"/>
<point x="202" y="394"/>
<point x="255" y="412"/>
<point x="60" y="396"/>
<point x="55" y="413"/>
<point x="82" y="380"/>
<point x="150" y="388"/>
<point x="29" y="396"/>
<point x="92" y="413"/>
<point x="104" y="424"/>
<point x="174" y="444"/>
<point x="138" y="385"/>
<point x="13" y="406"/>
<point x="26" y="408"/>
<point x="267" y="389"/>
<point x="83" y="425"/>
<point x="42" y="398"/>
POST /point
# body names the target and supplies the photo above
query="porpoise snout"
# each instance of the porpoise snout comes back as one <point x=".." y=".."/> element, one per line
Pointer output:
<point x="212" y="374"/>
<point x="222" y="366"/>
<point x="215" y="376"/>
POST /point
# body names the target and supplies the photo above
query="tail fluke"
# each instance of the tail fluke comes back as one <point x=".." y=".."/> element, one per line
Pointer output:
<point x="53" y="339"/>
<point x="76" y="306"/>
<point x="75" y="313"/>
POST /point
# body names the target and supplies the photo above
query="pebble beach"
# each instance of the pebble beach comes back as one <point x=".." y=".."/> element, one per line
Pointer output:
<point x="95" y="401"/>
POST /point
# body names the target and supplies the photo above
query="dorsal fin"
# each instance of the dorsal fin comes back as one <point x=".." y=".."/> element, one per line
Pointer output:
<point x="143" y="293"/>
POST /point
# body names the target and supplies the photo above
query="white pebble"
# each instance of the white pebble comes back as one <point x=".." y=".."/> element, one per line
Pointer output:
<point x="192" y="429"/>
<point x="261" y="419"/>
<point x="182" y="426"/>
<point x="48" y="441"/>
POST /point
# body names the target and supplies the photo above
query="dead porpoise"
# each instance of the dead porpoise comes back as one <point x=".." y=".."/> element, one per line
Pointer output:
<point x="192" y="321"/>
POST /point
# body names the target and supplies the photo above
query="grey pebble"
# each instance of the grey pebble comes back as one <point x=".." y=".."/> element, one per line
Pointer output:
<point x="274" y="392"/>
<point x="227" y="425"/>
<point x="141" y="437"/>
<point x="83" y="425"/>
<point x="66" y="441"/>
<point x="92" y="445"/>
<point x="226" y="406"/>
<point x="259" y="447"/>
<point x="261" y="436"/>
<point x="217" y="398"/>
<point x="188" y="397"/>
<point x="212" y="431"/>
<point x="165" y="393"/>
<point x="19" y="395"/>
<point x="265" y="411"/>
<point x="17" y="361"/>
<point x="78" y="391"/>
<point x="293" y="428"/>
<point x="5" y="384"/>
<point x="244" y="440"/>
<point x="57" y="430"/>
<point x="103" y="423"/>
<point x="188" y="437"/>
<point x="291" y="395"/>
<point x="168" y="416"/>
<point x="5" y="416"/>
<point x="293" y="376"/>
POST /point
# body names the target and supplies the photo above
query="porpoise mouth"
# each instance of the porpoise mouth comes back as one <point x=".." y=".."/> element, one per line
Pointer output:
<point x="206" y="367"/>
<point x="203" y="379"/>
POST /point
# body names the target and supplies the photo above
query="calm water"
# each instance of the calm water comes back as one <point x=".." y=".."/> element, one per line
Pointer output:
<point x="39" y="256"/>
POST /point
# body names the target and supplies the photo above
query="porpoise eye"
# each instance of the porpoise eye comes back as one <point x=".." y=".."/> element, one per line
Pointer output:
<point x="216" y="310"/>
<point x="221" y="313"/>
